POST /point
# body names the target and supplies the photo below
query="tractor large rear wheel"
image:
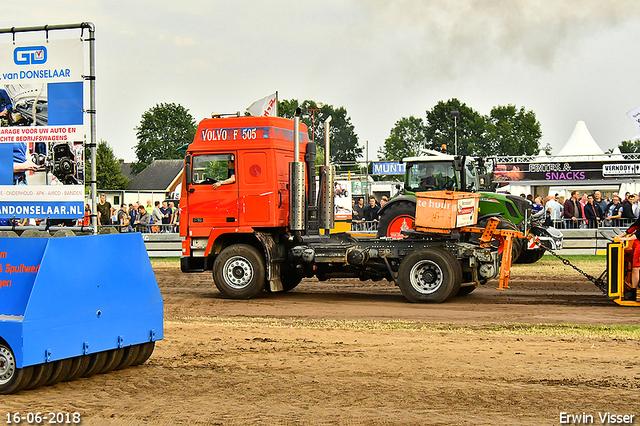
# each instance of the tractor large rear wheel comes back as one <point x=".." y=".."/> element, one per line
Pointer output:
<point x="396" y="218"/>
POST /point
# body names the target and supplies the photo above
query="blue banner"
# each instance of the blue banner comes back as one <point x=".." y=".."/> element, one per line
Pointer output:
<point x="388" y="168"/>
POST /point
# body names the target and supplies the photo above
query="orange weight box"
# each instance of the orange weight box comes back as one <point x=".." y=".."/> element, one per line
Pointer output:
<point x="446" y="209"/>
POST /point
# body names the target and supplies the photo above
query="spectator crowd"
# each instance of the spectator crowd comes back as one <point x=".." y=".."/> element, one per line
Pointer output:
<point x="587" y="210"/>
<point x="365" y="218"/>
<point x="136" y="217"/>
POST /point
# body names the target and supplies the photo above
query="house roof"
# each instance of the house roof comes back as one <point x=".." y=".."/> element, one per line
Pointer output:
<point x="126" y="170"/>
<point x="157" y="176"/>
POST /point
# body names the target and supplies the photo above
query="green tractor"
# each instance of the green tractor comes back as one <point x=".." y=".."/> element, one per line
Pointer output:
<point x="445" y="172"/>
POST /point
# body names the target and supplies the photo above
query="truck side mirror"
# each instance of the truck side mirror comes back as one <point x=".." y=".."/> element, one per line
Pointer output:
<point x="187" y="170"/>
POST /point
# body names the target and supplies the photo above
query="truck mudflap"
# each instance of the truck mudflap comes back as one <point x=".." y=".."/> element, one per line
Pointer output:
<point x="274" y="257"/>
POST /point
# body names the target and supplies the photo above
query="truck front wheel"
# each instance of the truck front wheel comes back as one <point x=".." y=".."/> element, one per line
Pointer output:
<point x="239" y="272"/>
<point x="432" y="275"/>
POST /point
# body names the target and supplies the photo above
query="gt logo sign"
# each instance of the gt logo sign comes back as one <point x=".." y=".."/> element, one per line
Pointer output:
<point x="31" y="55"/>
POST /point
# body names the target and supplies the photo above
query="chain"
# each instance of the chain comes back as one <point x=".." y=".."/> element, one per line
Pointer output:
<point x="599" y="282"/>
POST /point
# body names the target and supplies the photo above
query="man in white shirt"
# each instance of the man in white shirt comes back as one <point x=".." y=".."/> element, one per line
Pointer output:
<point x="555" y="210"/>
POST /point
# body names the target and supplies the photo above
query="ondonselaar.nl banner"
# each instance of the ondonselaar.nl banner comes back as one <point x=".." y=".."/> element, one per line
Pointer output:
<point x="42" y="164"/>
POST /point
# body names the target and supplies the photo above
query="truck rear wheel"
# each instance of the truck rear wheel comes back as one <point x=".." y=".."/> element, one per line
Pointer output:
<point x="396" y="218"/>
<point x="239" y="272"/>
<point x="432" y="275"/>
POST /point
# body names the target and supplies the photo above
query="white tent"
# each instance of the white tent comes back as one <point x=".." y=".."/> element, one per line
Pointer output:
<point x="581" y="143"/>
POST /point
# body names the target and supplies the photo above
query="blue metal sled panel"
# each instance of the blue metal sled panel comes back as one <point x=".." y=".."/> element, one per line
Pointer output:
<point x="91" y="294"/>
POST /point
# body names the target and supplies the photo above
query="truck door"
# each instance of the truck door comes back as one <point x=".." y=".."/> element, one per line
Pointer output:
<point x="212" y="205"/>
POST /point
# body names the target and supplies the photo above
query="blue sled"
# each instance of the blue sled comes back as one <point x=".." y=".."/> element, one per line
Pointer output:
<point x="75" y="306"/>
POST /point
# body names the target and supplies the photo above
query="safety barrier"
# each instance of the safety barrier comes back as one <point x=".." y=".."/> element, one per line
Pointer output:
<point x="591" y="224"/>
<point x="364" y="226"/>
<point x="150" y="229"/>
<point x="588" y="241"/>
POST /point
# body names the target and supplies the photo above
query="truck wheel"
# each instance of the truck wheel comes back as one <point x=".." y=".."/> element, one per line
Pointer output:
<point x="396" y="218"/>
<point x="432" y="275"/>
<point x="239" y="272"/>
<point x="12" y="379"/>
<point x="530" y="256"/>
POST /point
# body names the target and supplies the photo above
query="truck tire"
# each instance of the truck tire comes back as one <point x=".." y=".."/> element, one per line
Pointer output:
<point x="395" y="218"/>
<point x="530" y="256"/>
<point x="12" y="379"/>
<point x="239" y="272"/>
<point x="432" y="275"/>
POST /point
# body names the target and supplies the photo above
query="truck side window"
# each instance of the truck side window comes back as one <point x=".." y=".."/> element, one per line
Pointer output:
<point x="209" y="169"/>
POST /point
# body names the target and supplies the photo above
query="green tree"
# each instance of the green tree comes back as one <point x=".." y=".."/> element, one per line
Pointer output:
<point x="343" y="139"/>
<point x="511" y="131"/>
<point x="407" y="139"/>
<point x="628" y="147"/>
<point x="442" y="127"/>
<point x="162" y="130"/>
<point x="108" y="172"/>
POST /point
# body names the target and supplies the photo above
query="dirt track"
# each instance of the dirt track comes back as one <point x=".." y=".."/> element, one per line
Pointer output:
<point x="354" y="353"/>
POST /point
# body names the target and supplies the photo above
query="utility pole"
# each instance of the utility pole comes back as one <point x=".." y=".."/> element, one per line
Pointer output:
<point x="455" y="114"/>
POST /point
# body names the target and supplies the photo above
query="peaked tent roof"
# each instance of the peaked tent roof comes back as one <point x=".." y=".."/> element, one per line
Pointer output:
<point x="581" y="142"/>
<point x="157" y="176"/>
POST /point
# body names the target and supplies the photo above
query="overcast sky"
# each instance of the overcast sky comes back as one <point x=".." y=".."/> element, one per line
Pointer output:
<point x="381" y="60"/>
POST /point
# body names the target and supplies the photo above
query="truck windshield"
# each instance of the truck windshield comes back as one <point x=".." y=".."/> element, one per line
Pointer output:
<point x="430" y="176"/>
<point x="208" y="169"/>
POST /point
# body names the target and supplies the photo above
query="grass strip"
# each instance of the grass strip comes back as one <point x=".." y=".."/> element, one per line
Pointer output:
<point x="623" y="332"/>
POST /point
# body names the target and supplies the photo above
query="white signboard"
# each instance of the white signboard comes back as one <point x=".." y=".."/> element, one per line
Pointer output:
<point x="634" y="114"/>
<point x="41" y="129"/>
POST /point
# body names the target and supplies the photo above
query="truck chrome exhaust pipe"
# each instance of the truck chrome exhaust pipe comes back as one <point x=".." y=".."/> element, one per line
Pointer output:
<point x="326" y="216"/>
<point x="297" y="181"/>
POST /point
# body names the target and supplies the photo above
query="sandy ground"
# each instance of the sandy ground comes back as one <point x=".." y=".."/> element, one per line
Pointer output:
<point x="356" y="353"/>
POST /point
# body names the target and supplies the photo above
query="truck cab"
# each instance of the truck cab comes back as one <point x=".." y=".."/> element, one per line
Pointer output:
<point x="257" y="152"/>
